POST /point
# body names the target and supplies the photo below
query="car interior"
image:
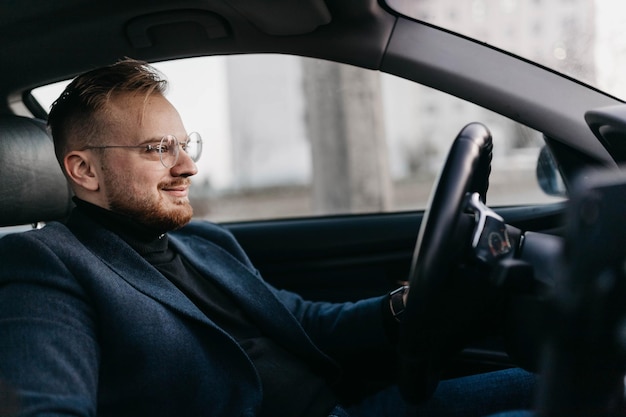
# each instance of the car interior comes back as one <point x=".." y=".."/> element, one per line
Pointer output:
<point x="33" y="188"/>
<point x="563" y="270"/>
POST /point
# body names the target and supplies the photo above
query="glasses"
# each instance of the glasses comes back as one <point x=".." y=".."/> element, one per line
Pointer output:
<point x="168" y="148"/>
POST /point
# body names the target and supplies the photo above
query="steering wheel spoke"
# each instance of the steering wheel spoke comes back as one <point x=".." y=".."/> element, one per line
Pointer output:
<point x="490" y="240"/>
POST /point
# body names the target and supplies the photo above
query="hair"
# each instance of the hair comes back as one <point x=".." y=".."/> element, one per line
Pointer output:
<point x="78" y="117"/>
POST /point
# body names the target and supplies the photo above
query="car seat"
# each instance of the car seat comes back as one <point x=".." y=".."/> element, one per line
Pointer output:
<point x="33" y="189"/>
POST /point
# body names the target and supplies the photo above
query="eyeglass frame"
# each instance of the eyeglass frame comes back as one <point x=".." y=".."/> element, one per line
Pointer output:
<point x="157" y="148"/>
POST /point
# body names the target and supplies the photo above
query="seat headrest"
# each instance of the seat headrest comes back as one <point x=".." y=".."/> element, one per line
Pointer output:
<point x="32" y="186"/>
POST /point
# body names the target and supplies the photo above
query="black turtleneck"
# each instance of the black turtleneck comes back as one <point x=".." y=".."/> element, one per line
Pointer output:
<point x="278" y="368"/>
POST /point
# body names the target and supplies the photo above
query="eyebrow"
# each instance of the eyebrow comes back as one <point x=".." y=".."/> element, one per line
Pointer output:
<point x="150" y="140"/>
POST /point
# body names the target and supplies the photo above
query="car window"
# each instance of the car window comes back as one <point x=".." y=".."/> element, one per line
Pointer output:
<point x="288" y="136"/>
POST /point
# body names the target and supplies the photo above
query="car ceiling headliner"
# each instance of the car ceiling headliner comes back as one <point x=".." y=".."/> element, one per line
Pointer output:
<point x="45" y="41"/>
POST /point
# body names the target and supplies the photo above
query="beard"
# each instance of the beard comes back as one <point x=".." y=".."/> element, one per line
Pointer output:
<point x="149" y="209"/>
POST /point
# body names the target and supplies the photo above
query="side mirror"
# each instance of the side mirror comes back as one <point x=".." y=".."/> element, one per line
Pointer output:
<point x="548" y="174"/>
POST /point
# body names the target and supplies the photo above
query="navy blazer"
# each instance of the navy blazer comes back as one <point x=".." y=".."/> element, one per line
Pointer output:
<point x="88" y="327"/>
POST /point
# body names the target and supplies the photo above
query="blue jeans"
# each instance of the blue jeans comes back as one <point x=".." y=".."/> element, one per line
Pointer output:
<point x="471" y="396"/>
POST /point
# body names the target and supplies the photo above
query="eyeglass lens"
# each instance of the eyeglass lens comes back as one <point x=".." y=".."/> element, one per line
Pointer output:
<point x="169" y="149"/>
<point x="193" y="146"/>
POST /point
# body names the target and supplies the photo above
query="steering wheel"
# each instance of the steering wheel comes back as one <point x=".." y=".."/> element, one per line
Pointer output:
<point x="433" y="323"/>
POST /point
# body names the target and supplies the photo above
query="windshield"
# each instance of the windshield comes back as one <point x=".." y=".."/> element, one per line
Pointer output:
<point x="584" y="39"/>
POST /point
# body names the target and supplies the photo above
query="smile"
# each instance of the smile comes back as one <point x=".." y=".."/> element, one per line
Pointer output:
<point x="180" y="191"/>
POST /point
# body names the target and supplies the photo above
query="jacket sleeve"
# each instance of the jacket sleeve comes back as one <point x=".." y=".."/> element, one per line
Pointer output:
<point x="48" y="349"/>
<point x="339" y="327"/>
<point x="333" y="327"/>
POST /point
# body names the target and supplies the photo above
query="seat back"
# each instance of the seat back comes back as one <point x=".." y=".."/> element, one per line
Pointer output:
<point x="33" y="188"/>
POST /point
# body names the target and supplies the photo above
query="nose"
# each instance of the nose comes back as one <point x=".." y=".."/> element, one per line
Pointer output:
<point x="184" y="167"/>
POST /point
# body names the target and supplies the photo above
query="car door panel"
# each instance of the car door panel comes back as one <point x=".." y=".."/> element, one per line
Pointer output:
<point x="345" y="258"/>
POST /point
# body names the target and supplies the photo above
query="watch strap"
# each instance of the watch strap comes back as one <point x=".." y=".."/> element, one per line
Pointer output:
<point x="396" y="302"/>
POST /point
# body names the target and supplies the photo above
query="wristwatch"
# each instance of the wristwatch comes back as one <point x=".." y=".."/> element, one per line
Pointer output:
<point x="396" y="302"/>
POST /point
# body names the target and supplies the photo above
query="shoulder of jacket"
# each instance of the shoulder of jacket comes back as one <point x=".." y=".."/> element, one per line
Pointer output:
<point x="214" y="233"/>
<point x="52" y="231"/>
<point x="206" y="229"/>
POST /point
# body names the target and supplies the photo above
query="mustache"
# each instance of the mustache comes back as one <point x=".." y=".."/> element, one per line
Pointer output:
<point x="186" y="182"/>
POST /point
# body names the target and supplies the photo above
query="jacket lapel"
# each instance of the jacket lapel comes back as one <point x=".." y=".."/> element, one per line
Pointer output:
<point x="128" y="265"/>
<point x="253" y="296"/>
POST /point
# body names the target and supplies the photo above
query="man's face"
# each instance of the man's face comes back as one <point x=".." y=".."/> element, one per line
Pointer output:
<point x="134" y="182"/>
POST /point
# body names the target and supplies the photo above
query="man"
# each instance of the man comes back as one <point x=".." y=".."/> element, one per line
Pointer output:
<point x="130" y="309"/>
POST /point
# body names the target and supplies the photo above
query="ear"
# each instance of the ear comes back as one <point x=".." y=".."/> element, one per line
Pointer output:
<point x="80" y="168"/>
